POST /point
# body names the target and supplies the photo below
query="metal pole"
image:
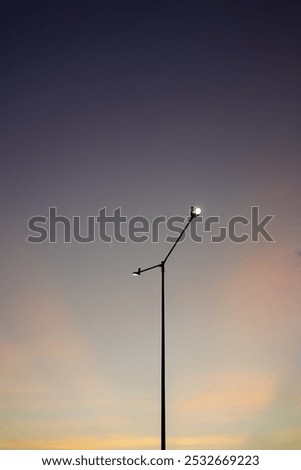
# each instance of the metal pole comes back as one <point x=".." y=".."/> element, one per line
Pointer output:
<point x="137" y="273"/>
<point x="163" y="412"/>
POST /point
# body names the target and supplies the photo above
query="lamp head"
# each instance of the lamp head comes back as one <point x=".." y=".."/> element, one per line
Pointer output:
<point x="137" y="273"/>
<point x="195" y="211"/>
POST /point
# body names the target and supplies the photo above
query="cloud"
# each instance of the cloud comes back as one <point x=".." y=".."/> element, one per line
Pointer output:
<point x="226" y="398"/>
<point x="131" y="442"/>
<point x="51" y="382"/>
<point x="286" y="438"/>
<point x="86" y="442"/>
<point x="55" y="390"/>
<point x="211" y="441"/>
<point x="261" y="295"/>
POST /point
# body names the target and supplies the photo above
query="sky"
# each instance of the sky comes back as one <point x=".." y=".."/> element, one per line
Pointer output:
<point x="150" y="107"/>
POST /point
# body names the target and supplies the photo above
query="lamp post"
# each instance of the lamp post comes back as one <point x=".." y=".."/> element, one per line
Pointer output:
<point x="194" y="212"/>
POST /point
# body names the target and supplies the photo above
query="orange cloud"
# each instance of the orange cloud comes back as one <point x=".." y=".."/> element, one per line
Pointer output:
<point x="287" y="438"/>
<point x="114" y="441"/>
<point x="211" y="441"/>
<point x="261" y="295"/>
<point x="228" y="397"/>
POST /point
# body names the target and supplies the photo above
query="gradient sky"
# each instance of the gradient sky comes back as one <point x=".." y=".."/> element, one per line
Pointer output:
<point x="150" y="106"/>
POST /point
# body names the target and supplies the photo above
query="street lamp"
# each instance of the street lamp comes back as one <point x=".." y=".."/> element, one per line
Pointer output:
<point x="194" y="212"/>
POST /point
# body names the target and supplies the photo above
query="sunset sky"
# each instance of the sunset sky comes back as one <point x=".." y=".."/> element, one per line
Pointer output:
<point x="150" y="106"/>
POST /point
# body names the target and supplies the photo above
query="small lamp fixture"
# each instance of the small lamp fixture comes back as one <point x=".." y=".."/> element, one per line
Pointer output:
<point x="137" y="273"/>
<point x="195" y="211"/>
